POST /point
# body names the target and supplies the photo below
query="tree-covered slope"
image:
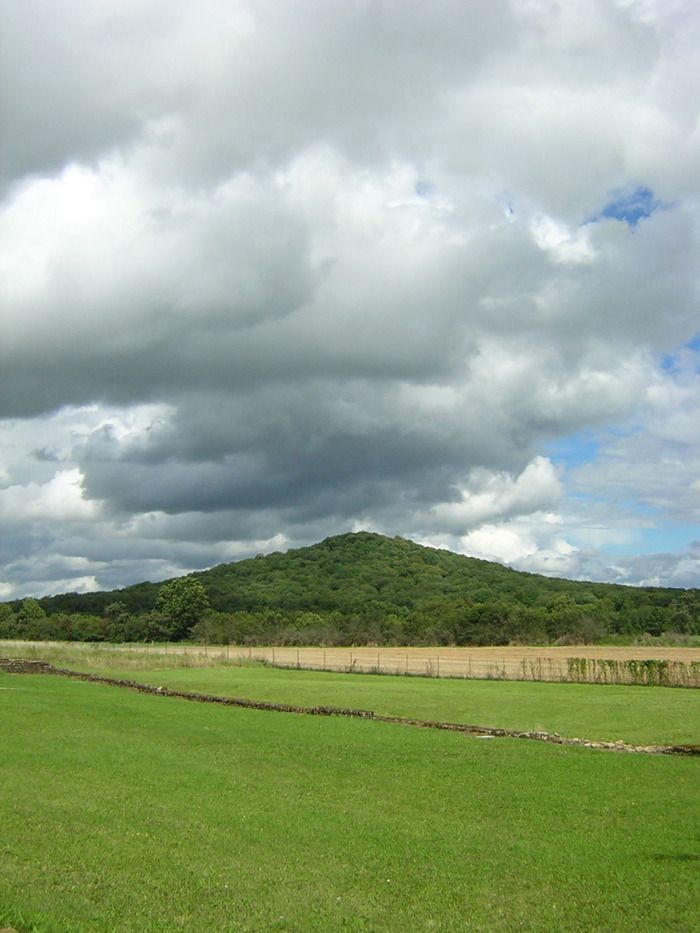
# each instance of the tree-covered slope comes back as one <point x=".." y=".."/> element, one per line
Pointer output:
<point x="365" y="572"/>
<point x="365" y="586"/>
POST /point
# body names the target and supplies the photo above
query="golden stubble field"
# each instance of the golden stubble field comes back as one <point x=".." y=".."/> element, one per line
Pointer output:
<point x="504" y="663"/>
<point x="510" y="662"/>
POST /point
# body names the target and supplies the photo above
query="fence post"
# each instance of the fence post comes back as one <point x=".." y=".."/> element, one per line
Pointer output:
<point x="438" y="666"/>
<point x="298" y="659"/>
<point x="273" y="654"/>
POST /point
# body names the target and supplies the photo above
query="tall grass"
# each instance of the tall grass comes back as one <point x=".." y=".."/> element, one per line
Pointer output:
<point x="645" y="672"/>
<point x="137" y="657"/>
<point x="159" y="656"/>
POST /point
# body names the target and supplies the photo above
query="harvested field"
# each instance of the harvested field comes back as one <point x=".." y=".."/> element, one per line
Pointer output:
<point x="671" y="666"/>
<point x="674" y="666"/>
<point x="505" y="663"/>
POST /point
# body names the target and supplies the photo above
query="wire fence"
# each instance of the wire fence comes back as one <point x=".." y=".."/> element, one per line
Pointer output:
<point x="633" y="671"/>
<point x="680" y="668"/>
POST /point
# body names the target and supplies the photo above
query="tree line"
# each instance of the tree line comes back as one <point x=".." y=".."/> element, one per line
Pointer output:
<point x="183" y="611"/>
<point x="359" y="589"/>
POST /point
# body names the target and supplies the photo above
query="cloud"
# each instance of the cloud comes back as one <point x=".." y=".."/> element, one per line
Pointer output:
<point x="490" y="495"/>
<point x="521" y="550"/>
<point x="58" y="500"/>
<point x="262" y="282"/>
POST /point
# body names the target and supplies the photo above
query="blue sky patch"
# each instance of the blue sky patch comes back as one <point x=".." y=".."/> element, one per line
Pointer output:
<point x="574" y="450"/>
<point x="662" y="538"/>
<point x="629" y="205"/>
<point x="671" y="362"/>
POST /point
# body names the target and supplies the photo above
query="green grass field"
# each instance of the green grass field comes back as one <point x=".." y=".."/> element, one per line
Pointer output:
<point x="638" y="715"/>
<point x="124" y="812"/>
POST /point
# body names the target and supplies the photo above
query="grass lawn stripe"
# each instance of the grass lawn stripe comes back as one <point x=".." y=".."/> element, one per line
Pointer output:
<point x="123" y="812"/>
<point x="637" y="715"/>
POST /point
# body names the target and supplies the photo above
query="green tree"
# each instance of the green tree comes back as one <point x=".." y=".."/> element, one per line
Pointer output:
<point x="31" y="611"/>
<point x="8" y="622"/>
<point x="183" y="601"/>
<point x="32" y="621"/>
<point x="115" y="611"/>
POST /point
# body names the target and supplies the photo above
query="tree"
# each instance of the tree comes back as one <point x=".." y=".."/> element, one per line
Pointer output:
<point x="115" y="611"/>
<point x="31" y="611"/>
<point x="32" y="621"/>
<point x="8" y="622"/>
<point x="183" y="601"/>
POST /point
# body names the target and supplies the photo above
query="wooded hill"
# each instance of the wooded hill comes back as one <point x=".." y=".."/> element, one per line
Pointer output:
<point x="366" y="588"/>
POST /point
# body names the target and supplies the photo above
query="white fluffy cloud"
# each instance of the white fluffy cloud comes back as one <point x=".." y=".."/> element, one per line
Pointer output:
<point x="274" y="270"/>
<point x="58" y="500"/>
<point x="490" y="495"/>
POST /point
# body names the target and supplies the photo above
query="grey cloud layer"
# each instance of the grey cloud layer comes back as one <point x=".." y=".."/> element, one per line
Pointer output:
<point x="342" y="252"/>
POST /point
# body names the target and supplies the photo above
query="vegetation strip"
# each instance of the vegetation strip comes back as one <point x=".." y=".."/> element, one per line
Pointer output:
<point x="363" y="589"/>
<point x="26" y="666"/>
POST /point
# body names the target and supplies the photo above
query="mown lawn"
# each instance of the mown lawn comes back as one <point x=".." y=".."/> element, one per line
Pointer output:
<point x="124" y="812"/>
<point x="642" y="715"/>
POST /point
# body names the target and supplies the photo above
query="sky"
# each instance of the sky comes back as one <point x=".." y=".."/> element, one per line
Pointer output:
<point x="272" y="271"/>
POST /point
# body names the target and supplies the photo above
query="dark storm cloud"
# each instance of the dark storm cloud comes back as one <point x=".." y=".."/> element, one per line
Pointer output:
<point x="271" y="270"/>
<point x="230" y="83"/>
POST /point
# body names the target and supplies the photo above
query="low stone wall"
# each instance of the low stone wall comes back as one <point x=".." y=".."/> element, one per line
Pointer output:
<point x="23" y="666"/>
